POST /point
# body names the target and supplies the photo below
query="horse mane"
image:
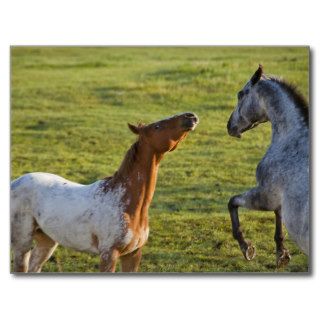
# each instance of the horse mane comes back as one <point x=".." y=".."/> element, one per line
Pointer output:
<point x="128" y="161"/>
<point x="125" y="167"/>
<point x="299" y="100"/>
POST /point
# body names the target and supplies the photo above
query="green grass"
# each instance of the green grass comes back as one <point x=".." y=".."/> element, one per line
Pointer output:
<point x="70" y="107"/>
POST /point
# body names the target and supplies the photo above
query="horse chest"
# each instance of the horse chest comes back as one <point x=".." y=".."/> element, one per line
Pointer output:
<point x="268" y="167"/>
<point x="262" y="171"/>
<point x="134" y="239"/>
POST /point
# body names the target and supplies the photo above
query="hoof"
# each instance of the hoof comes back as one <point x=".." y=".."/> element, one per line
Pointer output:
<point x="283" y="258"/>
<point x="249" y="251"/>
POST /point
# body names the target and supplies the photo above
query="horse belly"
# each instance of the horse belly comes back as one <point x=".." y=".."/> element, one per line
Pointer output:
<point x="72" y="221"/>
<point x="90" y="228"/>
<point x="70" y="232"/>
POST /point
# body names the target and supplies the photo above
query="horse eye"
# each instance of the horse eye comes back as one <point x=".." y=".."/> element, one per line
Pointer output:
<point x="157" y="126"/>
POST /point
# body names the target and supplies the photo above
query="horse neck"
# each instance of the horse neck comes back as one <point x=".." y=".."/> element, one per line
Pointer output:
<point x="281" y="109"/>
<point x="145" y="171"/>
<point x="140" y="182"/>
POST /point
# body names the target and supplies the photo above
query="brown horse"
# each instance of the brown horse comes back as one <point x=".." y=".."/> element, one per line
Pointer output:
<point x="108" y="217"/>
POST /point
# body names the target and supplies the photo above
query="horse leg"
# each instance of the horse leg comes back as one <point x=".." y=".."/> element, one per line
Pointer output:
<point x="21" y="259"/>
<point x="254" y="199"/>
<point x="22" y="228"/>
<point x="282" y="257"/>
<point x="42" y="251"/>
<point x="131" y="261"/>
<point x="108" y="260"/>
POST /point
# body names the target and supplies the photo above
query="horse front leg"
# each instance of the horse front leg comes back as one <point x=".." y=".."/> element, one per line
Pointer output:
<point x="108" y="260"/>
<point x="282" y="256"/>
<point x="131" y="261"/>
<point x="254" y="199"/>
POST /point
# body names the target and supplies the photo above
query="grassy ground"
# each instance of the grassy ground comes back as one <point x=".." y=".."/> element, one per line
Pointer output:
<point x="70" y="107"/>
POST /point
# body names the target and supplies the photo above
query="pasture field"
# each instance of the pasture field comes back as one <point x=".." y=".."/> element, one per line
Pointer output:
<point x="69" y="112"/>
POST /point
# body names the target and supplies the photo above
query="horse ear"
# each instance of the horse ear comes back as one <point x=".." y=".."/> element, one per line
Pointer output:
<point x="133" y="128"/>
<point x="257" y="75"/>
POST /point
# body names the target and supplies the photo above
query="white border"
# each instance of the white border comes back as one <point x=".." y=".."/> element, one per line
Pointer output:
<point x="152" y="23"/>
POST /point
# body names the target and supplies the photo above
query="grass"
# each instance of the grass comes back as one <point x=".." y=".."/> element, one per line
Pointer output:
<point x="70" y="106"/>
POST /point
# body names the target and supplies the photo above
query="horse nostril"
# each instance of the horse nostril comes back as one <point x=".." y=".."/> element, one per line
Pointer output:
<point x="190" y="115"/>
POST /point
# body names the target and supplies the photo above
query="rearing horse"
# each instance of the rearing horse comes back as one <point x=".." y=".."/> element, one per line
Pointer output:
<point x="283" y="173"/>
<point x="108" y="217"/>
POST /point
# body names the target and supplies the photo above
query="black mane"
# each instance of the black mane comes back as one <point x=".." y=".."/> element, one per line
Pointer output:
<point x="299" y="100"/>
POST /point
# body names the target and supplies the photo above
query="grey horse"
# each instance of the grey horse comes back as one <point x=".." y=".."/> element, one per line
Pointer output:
<point x="283" y="173"/>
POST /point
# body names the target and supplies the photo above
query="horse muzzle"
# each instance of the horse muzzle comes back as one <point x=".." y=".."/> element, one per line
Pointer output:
<point x="190" y="121"/>
<point x="233" y="131"/>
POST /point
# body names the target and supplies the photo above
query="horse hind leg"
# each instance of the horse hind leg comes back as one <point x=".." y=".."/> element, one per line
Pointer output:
<point x="254" y="199"/>
<point x="282" y="256"/>
<point x="21" y="259"/>
<point x="42" y="251"/>
<point x="22" y="228"/>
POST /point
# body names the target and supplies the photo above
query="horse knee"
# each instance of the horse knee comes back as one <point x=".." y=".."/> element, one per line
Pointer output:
<point x="234" y="202"/>
<point x="231" y="204"/>
<point x="108" y="260"/>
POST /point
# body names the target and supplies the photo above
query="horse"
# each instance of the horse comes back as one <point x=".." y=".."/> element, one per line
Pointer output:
<point x="283" y="173"/>
<point x="108" y="217"/>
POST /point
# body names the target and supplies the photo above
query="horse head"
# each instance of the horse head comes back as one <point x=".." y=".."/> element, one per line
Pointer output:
<point x="165" y="135"/>
<point x="250" y="110"/>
